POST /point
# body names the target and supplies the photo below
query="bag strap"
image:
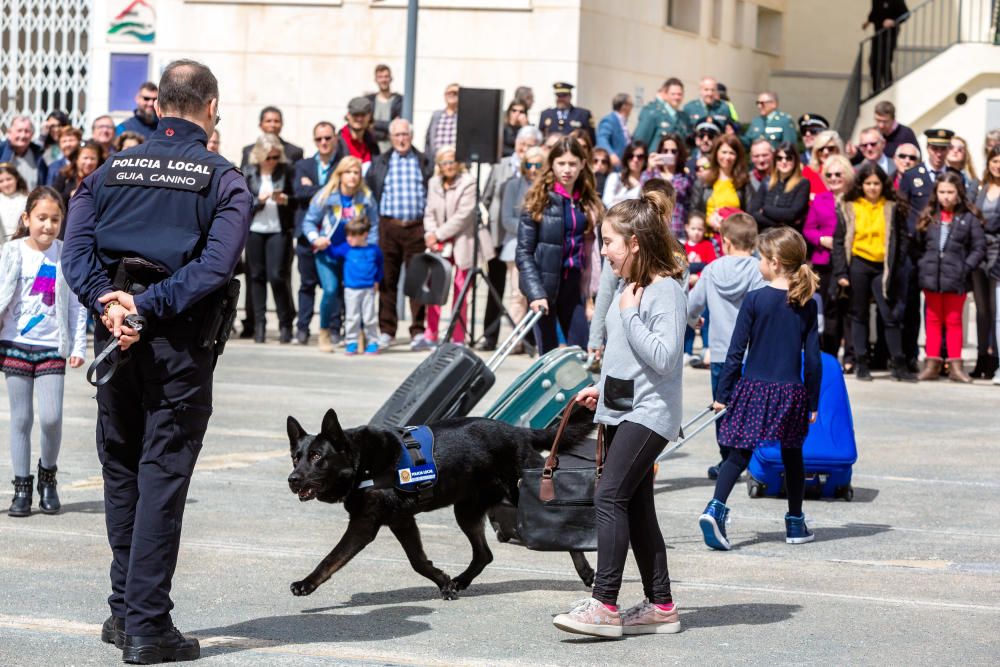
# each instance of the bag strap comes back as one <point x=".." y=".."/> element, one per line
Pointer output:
<point x="546" y="490"/>
<point x="599" y="459"/>
<point x="552" y="462"/>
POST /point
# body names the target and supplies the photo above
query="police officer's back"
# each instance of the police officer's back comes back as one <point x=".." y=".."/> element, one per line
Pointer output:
<point x="156" y="232"/>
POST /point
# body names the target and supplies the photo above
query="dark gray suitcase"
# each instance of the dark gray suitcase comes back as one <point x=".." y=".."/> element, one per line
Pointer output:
<point x="446" y="384"/>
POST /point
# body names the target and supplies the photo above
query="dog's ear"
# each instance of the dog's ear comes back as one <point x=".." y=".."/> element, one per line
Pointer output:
<point x="295" y="432"/>
<point x="331" y="430"/>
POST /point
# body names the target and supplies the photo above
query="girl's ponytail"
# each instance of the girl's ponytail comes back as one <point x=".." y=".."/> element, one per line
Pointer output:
<point x="787" y="247"/>
<point x="802" y="284"/>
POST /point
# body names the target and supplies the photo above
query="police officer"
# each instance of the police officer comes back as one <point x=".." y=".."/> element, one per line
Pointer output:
<point x="810" y="125"/>
<point x="156" y="232"/>
<point x="564" y="117"/>
<point x="663" y="115"/>
<point x="774" y="125"/>
<point x="705" y="135"/>
<point x="915" y="187"/>
<point x="709" y="106"/>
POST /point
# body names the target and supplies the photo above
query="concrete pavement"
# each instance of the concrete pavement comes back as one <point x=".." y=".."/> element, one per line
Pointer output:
<point x="908" y="573"/>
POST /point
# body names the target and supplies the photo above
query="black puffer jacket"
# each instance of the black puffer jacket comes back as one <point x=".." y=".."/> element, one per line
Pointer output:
<point x="948" y="269"/>
<point x="774" y="207"/>
<point x="539" y="254"/>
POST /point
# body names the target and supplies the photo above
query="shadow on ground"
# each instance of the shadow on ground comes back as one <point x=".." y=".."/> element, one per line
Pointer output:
<point x="271" y="631"/>
<point x="823" y="534"/>
<point x="428" y="593"/>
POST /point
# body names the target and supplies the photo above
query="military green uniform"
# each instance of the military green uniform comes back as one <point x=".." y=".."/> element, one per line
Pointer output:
<point x="720" y="113"/>
<point x="657" y="119"/>
<point x="776" y="127"/>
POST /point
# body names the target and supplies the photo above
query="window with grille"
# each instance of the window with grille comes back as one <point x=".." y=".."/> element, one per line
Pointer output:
<point x="43" y="58"/>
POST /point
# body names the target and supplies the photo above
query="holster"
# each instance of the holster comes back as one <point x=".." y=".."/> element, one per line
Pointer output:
<point x="219" y="317"/>
<point x="135" y="275"/>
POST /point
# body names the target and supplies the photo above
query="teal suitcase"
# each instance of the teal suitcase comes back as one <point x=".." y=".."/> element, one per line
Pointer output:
<point x="537" y="397"/>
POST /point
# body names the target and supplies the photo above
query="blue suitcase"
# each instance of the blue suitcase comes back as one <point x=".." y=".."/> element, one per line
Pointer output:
<point x="829" y="451"/>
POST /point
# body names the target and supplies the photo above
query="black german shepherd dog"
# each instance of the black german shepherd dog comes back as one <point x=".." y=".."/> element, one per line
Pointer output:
<point x="479" y="464"/>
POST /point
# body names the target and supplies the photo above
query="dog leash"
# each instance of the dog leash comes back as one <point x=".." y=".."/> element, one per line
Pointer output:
<point x="136" y="322"/>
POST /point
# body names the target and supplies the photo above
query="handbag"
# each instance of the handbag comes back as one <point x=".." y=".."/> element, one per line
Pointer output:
<point x="555" y="509"/>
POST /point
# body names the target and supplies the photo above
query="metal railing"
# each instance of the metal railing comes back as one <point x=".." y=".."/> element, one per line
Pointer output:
<point x="923" y="33"/>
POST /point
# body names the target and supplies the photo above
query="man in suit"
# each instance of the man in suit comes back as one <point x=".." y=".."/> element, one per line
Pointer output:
<point x="663" y="115"/>
<point x="271" y="121"/>
<point x="612" y="132"/>
<point x="563" y="118"/>
<point x="311" y="174"/>
<point x="871" y="148"/>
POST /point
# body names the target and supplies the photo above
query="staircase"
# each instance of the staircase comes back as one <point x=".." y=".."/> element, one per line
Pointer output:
<point x="924" y="36"/>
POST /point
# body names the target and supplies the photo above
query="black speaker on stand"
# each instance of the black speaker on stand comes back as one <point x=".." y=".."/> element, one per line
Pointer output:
<point x="478" y="141"/>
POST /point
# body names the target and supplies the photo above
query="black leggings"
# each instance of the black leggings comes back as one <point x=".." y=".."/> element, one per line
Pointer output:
<point x="866" y="282"/>
<point x="626" y="513"/>
<point x="739" y="459"/>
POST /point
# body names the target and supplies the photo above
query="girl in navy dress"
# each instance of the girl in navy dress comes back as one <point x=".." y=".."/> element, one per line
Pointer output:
<point x="767" y="399"/>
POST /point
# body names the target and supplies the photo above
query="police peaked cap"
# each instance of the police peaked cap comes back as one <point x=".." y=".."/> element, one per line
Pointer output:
<point x="813" y="120"/>
<point x="939" y="137"/>
<point x="562" y="88"/>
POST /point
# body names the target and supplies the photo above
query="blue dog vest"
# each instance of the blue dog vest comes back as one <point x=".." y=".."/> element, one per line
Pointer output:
<point x="416" y="470"/>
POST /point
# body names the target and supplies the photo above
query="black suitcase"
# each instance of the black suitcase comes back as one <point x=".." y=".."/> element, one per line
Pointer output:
<point x="446" y="384"/>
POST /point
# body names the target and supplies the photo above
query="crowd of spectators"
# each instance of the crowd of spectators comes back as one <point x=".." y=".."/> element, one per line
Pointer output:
<point x="543" y="202"/>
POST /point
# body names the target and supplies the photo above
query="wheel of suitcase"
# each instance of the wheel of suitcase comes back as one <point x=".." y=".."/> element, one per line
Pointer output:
<point x="755" y="489"/>
<point x="845" y="492"/>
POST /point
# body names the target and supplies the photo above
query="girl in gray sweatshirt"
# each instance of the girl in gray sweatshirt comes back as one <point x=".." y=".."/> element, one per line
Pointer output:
<point x="638" y="402"/>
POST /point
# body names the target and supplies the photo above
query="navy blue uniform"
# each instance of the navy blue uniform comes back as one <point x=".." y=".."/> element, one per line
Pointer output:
<point x="915" y="187"/>
<point x="556" y="121"/>
<point x="173" y="203"/>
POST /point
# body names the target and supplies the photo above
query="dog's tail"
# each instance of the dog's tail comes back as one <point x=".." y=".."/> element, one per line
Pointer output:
<point x="580" y="426"/>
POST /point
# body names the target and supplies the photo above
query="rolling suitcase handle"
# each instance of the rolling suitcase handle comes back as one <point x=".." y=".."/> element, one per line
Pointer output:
<point x="705" y="423"/>
<point x="516" y="336"/>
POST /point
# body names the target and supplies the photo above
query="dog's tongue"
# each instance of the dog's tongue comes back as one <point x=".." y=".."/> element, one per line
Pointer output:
<point x="305" y="494"/>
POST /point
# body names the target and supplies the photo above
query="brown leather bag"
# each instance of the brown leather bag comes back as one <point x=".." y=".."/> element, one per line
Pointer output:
<point x="555" y="510"/>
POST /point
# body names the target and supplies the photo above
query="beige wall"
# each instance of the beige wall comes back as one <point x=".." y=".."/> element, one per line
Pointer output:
<point x="310" y="58"/>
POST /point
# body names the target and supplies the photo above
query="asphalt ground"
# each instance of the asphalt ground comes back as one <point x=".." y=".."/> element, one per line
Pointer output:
<point x="907" y="573"/>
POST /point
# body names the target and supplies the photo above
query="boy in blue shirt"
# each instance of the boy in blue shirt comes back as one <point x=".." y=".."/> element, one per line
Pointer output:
<point x="362" y="274"/>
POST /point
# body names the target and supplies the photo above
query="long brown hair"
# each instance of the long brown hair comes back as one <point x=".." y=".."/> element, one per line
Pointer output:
<point x="788" y="148"/>
<point x="646" y="218"/>
<point x="36" y="195"/>
<point x="538" y="196"/>
<point x="70" y="171"/>
<point x="741" y="173"/>
<point x="988" y="178"/>
<point x="20" y="185"/>
<point x="787" y="247"/>
<point x="932" y="211"/>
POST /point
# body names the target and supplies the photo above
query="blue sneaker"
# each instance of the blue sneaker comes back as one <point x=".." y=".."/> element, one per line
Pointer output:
<point x="713" y="526"/>
<point x="372" y="348"/>
<point x="797" y="529"/>
<point x="351" y="349"/>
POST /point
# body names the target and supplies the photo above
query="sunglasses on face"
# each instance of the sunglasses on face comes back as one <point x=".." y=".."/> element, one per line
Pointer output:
<point x="706" y="135"/>
<point x="834" y="174"/>
<point x="810" y="130"/>
<point x="638" y="156"/>
<point x="517" y="110"/>
<point x="869" y="144"/>
<point x="829" y="148"/>
<point x="148" y="99"/>
<point x="783" y="158"/>
<point x="599" y="160"/>
<point x="907" y="156"/>
<point x="533" y="165"/>
<point x="761" y="103"/>
<point x="324" y="138"/>
<point x="272" y="158"/>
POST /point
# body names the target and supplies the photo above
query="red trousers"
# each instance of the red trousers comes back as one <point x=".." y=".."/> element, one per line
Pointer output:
<point x="944" y="308"/>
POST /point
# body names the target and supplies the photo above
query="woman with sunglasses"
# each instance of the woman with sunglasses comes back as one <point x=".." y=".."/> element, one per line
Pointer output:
<point x="667" y="164"/>
<point x="783" y="199"/>
<point x="627" y="183"/>
<point x="827" y="143"/>
<point x="907" y="157"/>
<point x="600" y="162"/>
<point x="511" y="201"/>
<point x="269" y="243"/>
<point x="825" y="212"/>
<point x="515" y="119"/>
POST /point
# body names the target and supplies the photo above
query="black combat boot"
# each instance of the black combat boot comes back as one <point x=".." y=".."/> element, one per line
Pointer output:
<point x="170" y="646"/>
<point x="113" y="631"/>
<point x="48" y="499"/>
<point x="21" y="504"/>
<point x="901" y="371"/>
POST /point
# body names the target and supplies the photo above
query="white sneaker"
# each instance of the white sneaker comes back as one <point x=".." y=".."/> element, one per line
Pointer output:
<point x="996" y="378"/>
<point x="385" y="341"/>
<point x="421" y="344"/>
